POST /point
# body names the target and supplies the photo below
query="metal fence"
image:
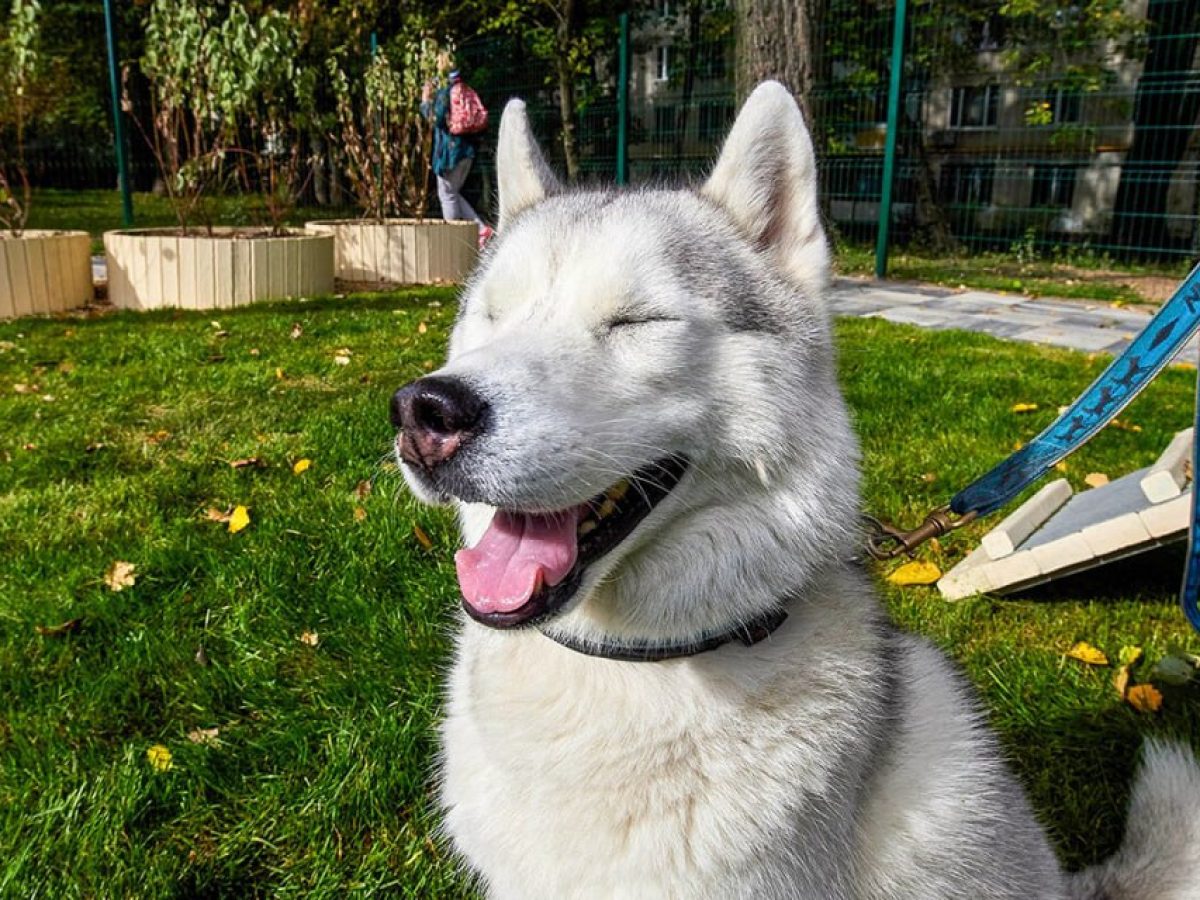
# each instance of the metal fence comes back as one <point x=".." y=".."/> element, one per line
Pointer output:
<point x="1047" y="133"/>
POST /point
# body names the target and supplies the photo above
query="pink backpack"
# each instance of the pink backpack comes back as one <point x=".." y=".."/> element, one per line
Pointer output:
<point x="468" y="115"/>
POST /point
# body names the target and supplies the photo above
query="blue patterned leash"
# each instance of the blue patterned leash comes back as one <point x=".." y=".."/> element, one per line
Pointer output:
<point x="1147" y="354"/>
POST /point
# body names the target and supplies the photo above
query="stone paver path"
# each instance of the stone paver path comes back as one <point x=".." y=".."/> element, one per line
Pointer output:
<point x="1090" y="326"/>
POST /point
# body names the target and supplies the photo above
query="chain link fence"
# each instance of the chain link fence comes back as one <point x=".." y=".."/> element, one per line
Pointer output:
<point x="1044" y="132"/>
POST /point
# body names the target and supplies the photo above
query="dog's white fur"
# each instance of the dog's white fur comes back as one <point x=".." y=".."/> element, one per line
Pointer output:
<point x="836" y="759"/>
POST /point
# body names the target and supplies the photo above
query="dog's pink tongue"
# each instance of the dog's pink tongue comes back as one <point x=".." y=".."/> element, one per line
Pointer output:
<point x="515" y="554"/>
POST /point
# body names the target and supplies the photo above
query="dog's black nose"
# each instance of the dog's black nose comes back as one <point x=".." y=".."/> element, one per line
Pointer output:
<point x="435" y="417"/>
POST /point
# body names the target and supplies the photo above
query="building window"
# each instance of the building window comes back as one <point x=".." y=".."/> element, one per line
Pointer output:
<point x="662" y="64"/>
<point x="1058" y="107"/>
<point x="974" y="107"/>
<point x="664" y="121"/>
<point x="1053" y="187"/>
<point x="968" y="184"/>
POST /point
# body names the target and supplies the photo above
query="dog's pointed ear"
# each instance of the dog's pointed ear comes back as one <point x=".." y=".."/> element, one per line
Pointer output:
<point x="522" y="176"/>
<point x="766" y="179"/>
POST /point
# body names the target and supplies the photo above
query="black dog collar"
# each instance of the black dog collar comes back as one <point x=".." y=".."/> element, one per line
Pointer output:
<point x="749" y="633"/>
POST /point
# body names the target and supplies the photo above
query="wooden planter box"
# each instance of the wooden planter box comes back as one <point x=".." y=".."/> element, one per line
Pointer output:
<point x="153" y="268"/>
<point x="401" y="251"/>
<point x="44" y="272"/>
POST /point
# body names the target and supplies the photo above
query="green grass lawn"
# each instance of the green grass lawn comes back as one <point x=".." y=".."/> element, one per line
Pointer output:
<point x="98" y="211"/>
<point x="316" y="781"/>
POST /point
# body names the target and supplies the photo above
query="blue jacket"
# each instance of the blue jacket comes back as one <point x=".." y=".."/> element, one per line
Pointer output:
<point x="448" y="149"/>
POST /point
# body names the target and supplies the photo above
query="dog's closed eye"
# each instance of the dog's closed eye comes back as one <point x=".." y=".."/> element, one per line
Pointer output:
<point x="630" y="320"/>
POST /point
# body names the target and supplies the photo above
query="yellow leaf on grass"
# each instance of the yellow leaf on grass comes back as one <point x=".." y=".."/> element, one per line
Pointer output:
<point x="1144" y="698"/>
<point x="301" y="465"/>
<point x="359" y="514"/>
<point x="422" y="537"/>
<point x="310" y="638"/>
<point x="1023" y="407"/>
<point x="1129" y="656"/>
<point x="120" y="575"/>
<point x="1085" y="652"/>
<point x="1061" y="467"/>
<point x="1121" y="681"/>
<point x="1096" y="479"/>
<point x="238" y="519"/>
<point x="915" y="573"/>
<point x="159" y="757"/>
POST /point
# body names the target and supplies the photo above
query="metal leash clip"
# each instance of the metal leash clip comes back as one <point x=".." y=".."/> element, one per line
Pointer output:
<point x="886" y="541"/>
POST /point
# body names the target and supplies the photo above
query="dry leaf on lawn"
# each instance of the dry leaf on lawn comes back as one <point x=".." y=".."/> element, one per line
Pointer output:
<point x="1129" y="656"/>
<point x="422" y="328"/>
<point x="362" y="490"/>
<point x="422" y="537"/>
<point x="297" y="330"/>
<point x="359" y="514"/>
<point x="1085" y="652"/>
<point x="1096" y="479"/>
<point x="311" y="638"/>
<point x="915" y="573"/>
<point x="1144" y="698"/>
<point x="238" y="519"/>
<point x="58" y="630"/>
<point x="341" y="359"/>
<point x="160" y="758"/>
<point x="247" y="463"/>
<point x="301" y="465"/>
<point x="215" y="515"/>
<point x="1121" y="681"/>
<point x="120" y="575"/>
<point x="1122" y="425"/>
<point x="157" y="437"/>
<point x="206" y="736"/>
<point x="1023" y="407"/>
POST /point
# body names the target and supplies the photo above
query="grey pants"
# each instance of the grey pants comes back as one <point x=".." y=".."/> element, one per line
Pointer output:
<point x="454" y="204"/>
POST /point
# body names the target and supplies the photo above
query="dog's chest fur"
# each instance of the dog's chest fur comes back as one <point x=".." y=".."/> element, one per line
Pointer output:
<point x="721" y="775"/>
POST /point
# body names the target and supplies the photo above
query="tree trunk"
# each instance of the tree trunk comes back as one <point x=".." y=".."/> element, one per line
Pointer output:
<point x="319" y="167"/>
<point x="689" y="76"/>
<point x="568" y="31"/>
<point x="779" y="39"/>
<point x="1164" y="119"/>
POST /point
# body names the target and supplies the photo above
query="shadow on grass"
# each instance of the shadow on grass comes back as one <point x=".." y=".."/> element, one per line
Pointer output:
<point x="1150" y="577"/>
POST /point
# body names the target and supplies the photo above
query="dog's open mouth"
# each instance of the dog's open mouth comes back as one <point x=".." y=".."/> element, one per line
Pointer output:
<point x="527" y="566"/>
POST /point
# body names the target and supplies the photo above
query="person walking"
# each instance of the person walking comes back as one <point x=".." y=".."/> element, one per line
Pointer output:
<point x="453" y="153"/>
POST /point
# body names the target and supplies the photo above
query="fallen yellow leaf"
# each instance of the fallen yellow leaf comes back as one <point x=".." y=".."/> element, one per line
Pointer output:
<point x="915" y="573"/>
<point x="1129" y="656"/>
<point x="120" y="575"/>
<point x="1061" y="467"/>
<point x="1121" y="681"/>
<point x="422" y="328"/>
<point x="301" y="465"/>
<point x="1085" y="652"/>
<point x="159" y="757"/>
<point x="422" y="537"/>
<point x="311" y="638"/>
<point x="238" y="519"/>
<point x="1023" y="407"/>
<point x="1144" y="698"/>
<point x="1096" y="479"/>
<point x="359" y="514"/>
<point x="279" y="374"/>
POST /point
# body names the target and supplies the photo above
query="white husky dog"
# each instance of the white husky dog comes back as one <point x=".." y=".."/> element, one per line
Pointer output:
<point x="673" y="680"/>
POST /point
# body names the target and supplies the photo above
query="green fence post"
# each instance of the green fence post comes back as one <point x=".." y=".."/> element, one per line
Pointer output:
<point x="114" y="85"/>
<point x="889" y="149"/>
<point x="623" y="103"/>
